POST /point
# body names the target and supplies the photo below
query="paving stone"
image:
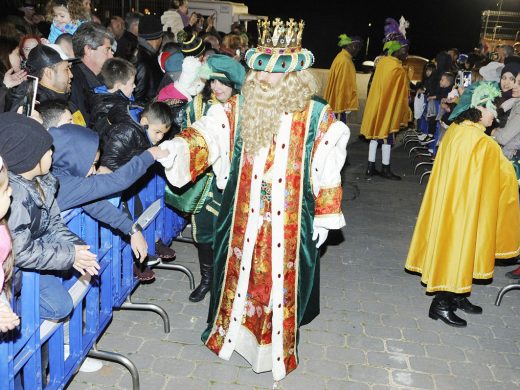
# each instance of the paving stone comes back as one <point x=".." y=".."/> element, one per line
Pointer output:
<point x="327" y="368"/>
<point x="445" y="352"/>
<point x="296" y="381"/>
<point x="384" y="332"/>
<point x="399" y="321"/>
<point x="493" y="385"/>
<point x="324" y="338"/>
<point x="369" y="375"/>
<point x="486" y="357"/>
<point x="346" y="354"/>
<point x="453" y="382"/>
<point x="506" y="374"/>
<point x="344" y="385"/>
<point x="187" y="384"/>
<point x="248" y="378"/>
<point x="421" y="336"/>
<point x="212" y="371"/>
<point x="160" y="348"/>
<point x="174" y="367"/>
<point x="429" y="365"/>
<point x="405" y="347"/>
<point x="412" y="379"/>
<point x="471" y="370"/>
<point x="387" y="360"/>
<point x="364" y="342"/>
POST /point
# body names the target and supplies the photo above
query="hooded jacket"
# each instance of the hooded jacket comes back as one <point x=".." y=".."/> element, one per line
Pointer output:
<point x="127" y="137"/>
<point x="41" y="240"/>
<point x="75" y="149"/>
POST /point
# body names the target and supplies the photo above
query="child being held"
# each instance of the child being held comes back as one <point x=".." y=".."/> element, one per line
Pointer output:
<point x="8" y="319"/>
<point x="66" y="17"/>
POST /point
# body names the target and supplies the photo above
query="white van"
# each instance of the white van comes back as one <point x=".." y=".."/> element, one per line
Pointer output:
<point x="226" y="12"/>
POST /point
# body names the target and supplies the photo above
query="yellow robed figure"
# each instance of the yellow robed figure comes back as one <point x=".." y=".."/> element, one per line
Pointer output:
<point x="341" y="91"/>
<point x="387" y="104"/>
<point x="469" y="215"/>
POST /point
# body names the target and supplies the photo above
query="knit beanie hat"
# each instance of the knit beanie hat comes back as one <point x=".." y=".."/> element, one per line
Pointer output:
<point x="512" y="65"/>
<point x="150" y="27"/>
<point x="24" y="142"/>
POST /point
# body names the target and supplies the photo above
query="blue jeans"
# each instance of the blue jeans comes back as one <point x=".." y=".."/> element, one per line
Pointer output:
<point x="55" y="301"/>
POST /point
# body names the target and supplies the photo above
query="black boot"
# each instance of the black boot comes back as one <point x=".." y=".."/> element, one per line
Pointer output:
<point x="388" y="174"/>
<point x="206" y="272"/>
<point x="443" y="307"/>
<point x="463" y="303"/>
<point x="371" y="169"/>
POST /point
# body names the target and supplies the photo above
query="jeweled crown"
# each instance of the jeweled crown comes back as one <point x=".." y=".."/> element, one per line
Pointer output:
<point x="279" y="36"/>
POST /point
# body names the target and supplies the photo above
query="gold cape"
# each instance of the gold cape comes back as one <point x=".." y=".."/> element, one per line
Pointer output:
<point x="469" y="215"/>
<point x="341" y="91"/>
<point x="387" y="104"/>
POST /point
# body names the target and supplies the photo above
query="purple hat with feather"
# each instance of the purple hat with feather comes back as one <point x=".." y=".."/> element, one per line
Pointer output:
<point x="395" y="34"/>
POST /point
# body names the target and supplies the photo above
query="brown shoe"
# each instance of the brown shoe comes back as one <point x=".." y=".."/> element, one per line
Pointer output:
<point x="164" y="252"/>
<point x="145" y="274"/>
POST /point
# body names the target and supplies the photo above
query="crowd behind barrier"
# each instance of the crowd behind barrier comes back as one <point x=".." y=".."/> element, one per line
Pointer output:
<point x="68" y="343"/>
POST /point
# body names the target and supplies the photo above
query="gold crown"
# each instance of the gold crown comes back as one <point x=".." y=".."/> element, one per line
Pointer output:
<point x="278" y="36"/>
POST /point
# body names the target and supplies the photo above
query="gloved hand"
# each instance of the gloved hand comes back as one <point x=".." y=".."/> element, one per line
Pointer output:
<point x="320" y="234"/>
<point x="168" y="161"/>
<point x="189" y="78"/>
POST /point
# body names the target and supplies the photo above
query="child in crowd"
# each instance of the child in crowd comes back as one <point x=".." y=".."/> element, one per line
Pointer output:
<point x="434" y="112"/>
<point x="8" y="319"/>
<point x="54" y="113"/>
<point x="76" y="154"/>
<point x="118" y="75"/>
<point x="66" y="17"/>
<point x="130" y="135"/>
<point x="41" y="241"/>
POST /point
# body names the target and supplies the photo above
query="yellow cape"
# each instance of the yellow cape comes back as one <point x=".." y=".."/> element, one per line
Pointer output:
<point x="470" y="212"/>
<point x="341" y="91"/>
<point x="387" y="104"/>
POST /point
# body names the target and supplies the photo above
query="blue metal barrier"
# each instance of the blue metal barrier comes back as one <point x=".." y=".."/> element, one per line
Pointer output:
<point x="94" y="301"/>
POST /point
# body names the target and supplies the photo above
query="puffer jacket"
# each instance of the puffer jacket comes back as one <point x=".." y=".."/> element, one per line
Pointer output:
<point x="126" y="138"/>
<point x="102" y="102"/>
<point x="41" y="240"/>
<point x="509" y="136"/>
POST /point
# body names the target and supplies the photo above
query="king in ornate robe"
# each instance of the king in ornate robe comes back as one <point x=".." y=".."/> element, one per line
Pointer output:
<point x="266" y="266"/>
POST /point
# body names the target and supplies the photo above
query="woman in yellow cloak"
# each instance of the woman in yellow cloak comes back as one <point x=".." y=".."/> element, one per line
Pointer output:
<point x="470" y="212"/>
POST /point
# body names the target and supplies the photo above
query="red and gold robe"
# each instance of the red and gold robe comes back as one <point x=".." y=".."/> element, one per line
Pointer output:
<point x="266" y="268"/>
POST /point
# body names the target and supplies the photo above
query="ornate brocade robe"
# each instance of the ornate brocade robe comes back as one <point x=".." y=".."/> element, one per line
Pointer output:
<point x="266" y="268"/>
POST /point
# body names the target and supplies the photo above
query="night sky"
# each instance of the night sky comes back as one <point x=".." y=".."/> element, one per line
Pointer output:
<point x="435" y="25"/>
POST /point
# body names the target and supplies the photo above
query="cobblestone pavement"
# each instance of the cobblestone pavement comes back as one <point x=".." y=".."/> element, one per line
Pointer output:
<point x="373" y="331"/>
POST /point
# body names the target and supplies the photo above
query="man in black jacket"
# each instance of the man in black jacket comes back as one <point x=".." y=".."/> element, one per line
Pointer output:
<point x="92" y="43"/>
<point x="149" y="73"/>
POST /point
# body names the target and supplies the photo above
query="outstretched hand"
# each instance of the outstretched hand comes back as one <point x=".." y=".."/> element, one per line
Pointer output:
<point x="320" y="234"/>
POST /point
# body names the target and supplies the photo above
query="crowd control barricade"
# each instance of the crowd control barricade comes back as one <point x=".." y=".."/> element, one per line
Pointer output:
<point x="46" y="354"/>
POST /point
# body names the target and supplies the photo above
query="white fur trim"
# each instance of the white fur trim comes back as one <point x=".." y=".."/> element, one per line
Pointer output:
<point x="329" y="157"/>
<point x="177" y="164"/>
<point x="247" y="254"/>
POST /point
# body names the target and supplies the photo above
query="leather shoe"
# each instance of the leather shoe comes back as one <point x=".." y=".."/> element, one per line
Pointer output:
<point x="466" y="306"/>
<point x="443" y="310"/>
<point x="514" y="274"/>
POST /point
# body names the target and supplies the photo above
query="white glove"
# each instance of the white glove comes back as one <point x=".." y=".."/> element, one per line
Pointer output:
<point x="320" y="234"/>
<point x="167" y="162"/>
<point x="189" y="78"/>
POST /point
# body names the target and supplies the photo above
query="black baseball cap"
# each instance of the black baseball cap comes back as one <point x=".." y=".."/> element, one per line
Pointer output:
<point x="44" y="56"/>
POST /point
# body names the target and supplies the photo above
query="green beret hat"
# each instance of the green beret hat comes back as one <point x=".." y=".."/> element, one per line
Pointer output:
<point x="224" y="68"/>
